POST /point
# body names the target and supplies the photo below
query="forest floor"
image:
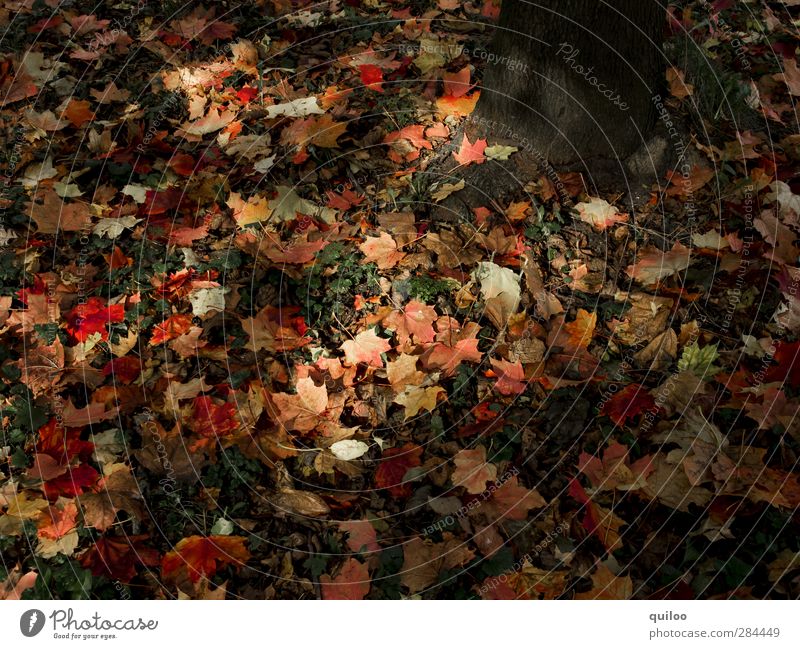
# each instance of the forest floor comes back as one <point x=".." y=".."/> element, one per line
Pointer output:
<point x="238" y="359"/>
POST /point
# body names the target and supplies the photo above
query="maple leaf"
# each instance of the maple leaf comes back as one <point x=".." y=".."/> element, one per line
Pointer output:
<point x="628" y="403"/>
<point x="394" y="465"/>
<point x="472" y="470"/>
<point x="62" y="444"/>
<point x="352" y="582"/>
<point x="361" y="536"/>
<point x="469" y="152"/>
<point x="423" y="562"/>
<point x="246" y="212"/>
<point x="416" y="398"/>
<point x="510" y="377"/>
<point x="613" y="471"/>
<point x="172" y="327"/>
<point x="214" y="120"/>
<point x="117" y="557"/>
<point x="300" y="251"/>
<point x="117" y="491"/>
<point x="416" y="319"/>
<point x="201" y="556"/>
<point x="91" y="318"/>
<point x="74" y="482"/>
<point x="52" y="214"/>
<point x="457" y="107"/>
<point x="382" y="251"/>
<point x="302" y="411"/>
<point x="447" y="358"/>
<point x="366" y="347"/>
<point x="78" y="112"/>
<point x="655" y="265"/>
<point x="403" y="372"/>
<point x="512" y="501"/>
<point x="580" y="331"/>
<point x="320" y="131"/>
<point x="125" y="369"/>
<point x="58" y="521"/>
<point x="212" y="419"/>
<point x="276" y="329"/>
<point x="597" y="520"/>
<point x="456" y="84"/>
<point x="600" y="213"/>
<point x="371" y="77"/>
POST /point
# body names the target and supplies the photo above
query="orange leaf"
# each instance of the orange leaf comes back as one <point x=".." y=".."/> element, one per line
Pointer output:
<point x="302" y="411"/>
<point x="202" y="556"/>
<point x="470" y="152"/>
<point x="456" y="84"/>
<point x="580" y="331"/>
<point x="472" y="470"/>
<point x="174" y="326"/>
<point x="366" y="347"/>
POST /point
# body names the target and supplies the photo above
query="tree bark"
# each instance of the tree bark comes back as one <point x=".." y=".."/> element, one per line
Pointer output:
<point x="573" y="81"/>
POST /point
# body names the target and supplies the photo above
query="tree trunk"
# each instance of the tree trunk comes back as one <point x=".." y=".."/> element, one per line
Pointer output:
<point x="573" y="81"/>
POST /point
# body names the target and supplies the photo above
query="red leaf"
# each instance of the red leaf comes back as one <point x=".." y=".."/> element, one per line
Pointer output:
<point x="73" y="483"/>
<point x="396" y="463"/>
<point x="202" y="556"/>
<point x="371" y="77"/>
<point x="92" y="317"/>
<point x="117" y="557"/>
<point x="172" y="327"/>
<point x="212" y="419"/>
<point x="628" y="403"/>
<point x="124" y="370"/>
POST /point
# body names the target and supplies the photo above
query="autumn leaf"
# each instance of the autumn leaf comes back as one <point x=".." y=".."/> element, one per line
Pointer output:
<point x="321" y="131"/>
<point x="416" y="319"/>
<point x="174" y="326"/>
<point x="456" y="84"/>
<point x="352" y="582"/>
<point x="361" y="536"/>
<point x="394" y="465"/>
<point x="472" y="470"/>
<point x="447" y="358"/>
<point x="92" y="317"/>
<point x="654" y="265"/>
<point x="599" y="213"/>
<point x="276" y="330"/>
<point x="416" y="398"/>
<point x="614" y="470"/>
<point x="512" y="501"/>
<point x="403" y="372"/>
<point x="458" y="107"/>
<point x="424" y="561"/>
<point x="628" y="403"/>
<point x="581" y="330"/>
<point x="371" y="77"/>
<point x="302" y="411"/>
<point x="366" y="347"/>
<point x="510" y="377"/>
<point x="118" y="557"/>
<point x="211" y="418"/>
<point x="469" y="152"/>
<point x="203" y="556"/>
<point x="382" y="251"/>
